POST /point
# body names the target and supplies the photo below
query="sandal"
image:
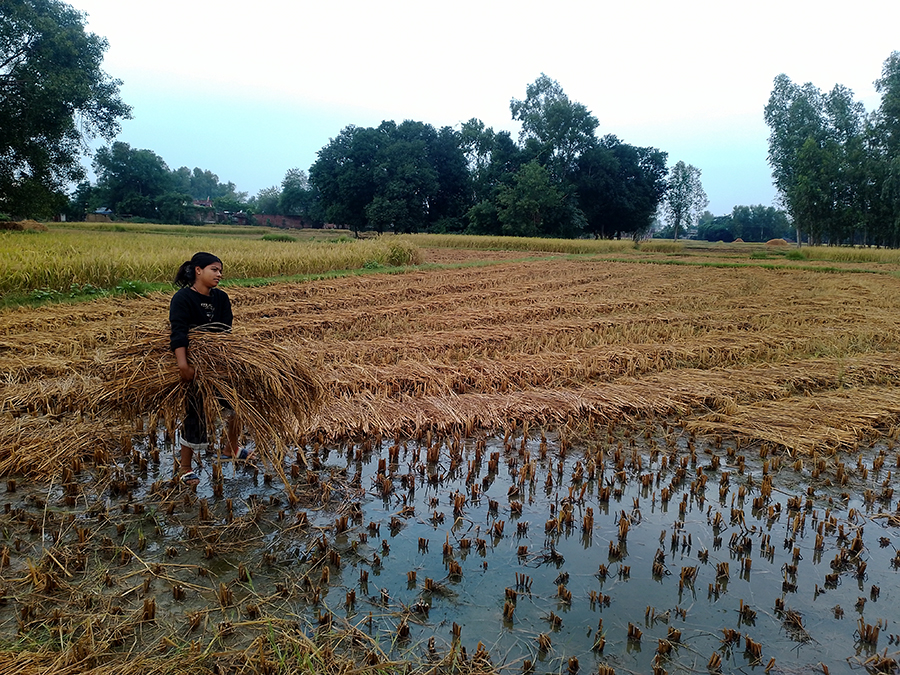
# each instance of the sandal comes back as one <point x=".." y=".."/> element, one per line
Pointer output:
<point x="189" y="479"/>
<point x="242" y="456"/>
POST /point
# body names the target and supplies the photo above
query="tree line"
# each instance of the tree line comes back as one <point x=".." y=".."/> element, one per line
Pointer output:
<point x="558" y="178"/>
<point x="837" y="167"/>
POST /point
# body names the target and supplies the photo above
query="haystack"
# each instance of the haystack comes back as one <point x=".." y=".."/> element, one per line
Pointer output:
<point x="776" y="242"/>
<point x="269" y="386"/>
<point x="23" y="225"/>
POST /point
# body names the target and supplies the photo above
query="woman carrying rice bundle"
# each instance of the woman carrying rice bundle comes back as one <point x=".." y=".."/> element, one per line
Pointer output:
<point x="199" y="304"/>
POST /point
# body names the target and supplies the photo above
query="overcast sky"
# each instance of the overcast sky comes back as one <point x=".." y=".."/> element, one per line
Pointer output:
<point x="250" y="89"/>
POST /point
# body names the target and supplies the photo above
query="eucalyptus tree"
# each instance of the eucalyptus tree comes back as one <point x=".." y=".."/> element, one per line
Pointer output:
<point x="685" y="198"/>
<point x="887" y="123"/>
<point x="818" y="150"/>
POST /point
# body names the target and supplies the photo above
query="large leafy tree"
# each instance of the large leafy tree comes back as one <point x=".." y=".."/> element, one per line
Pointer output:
<point x="343" y="175"/>
<point x="531" y="206"/>
<point x="685" y="197"/>
<point x="54" y="98"/>
<point x="405" y="177"/>
<point x="619" y="187"/>
<point x="556" y="129"/>
<point x="132" y="181"/>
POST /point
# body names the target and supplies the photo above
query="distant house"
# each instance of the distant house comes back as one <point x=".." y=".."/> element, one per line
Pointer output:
<point x="287" y="222"/>
<point x="204" y="211"/>
<point x="101" y="215"/>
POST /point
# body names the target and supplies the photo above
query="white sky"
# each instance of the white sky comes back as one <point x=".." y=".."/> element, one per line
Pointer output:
<point x="251" y="89"/>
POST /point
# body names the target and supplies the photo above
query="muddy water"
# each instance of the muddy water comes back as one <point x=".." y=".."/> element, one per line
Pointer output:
<point x="781" y="597"/>
<point x="691" y="544"/>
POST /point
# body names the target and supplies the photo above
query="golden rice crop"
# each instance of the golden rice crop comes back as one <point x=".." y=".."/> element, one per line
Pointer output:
<point x="535" y="244"/>
<point x="59" y="258"/>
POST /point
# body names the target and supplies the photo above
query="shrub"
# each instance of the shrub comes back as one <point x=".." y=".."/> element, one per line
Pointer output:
<point x="276" y="236"/>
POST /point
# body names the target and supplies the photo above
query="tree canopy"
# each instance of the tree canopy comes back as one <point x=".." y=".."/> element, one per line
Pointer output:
<point x="407" y="177"/>
<point x="685" y="197"/>
<point x="834" y="165"/>
<point x="54" y="98"/>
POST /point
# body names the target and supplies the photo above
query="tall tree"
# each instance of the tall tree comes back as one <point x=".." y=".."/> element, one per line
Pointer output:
<point x="818" y="149"/>
<point x="343" y="175"/>
<point x="887" y="163"/>
<point x="54" y="98"/>
<point x="685" y="197"/>
<point x="296" y="196"/>
<point x="558" y="129"/>
<point x="888" y="85"/>
<point x="405" y="177"/>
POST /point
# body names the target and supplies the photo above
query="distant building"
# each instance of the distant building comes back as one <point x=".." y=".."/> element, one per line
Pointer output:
<point x="101" y="215"/>
<point x="287" y="222"/>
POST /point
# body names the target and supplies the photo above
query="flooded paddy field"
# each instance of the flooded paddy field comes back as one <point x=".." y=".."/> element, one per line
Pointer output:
<point x="641" y="550"/>
<point x="697" y="476"/>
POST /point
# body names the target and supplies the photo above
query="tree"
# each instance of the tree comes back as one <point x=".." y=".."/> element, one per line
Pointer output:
<point x="619" y="187"/>
<point x="266" y="201"/>
<point x="759" y="223"/>
<point x="819" y="151"/>
<point x="295" y="193"/>
<point x="130" y="181"/>
<point x="887" y="160"/>
<point x="405" y="177"/>
<point x="54" y="98"/>
<point x="558" y="129"/>
<point x="685" y="197"/>
<point x="888" y="85"/>
<point x="343" y="176"/>
<point x="531" y="206"/>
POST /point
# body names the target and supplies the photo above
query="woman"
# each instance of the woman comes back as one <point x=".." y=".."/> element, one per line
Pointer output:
<point x="199" y="303"/>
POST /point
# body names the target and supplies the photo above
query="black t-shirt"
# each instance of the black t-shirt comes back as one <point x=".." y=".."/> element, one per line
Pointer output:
<point x="190" y="309"/>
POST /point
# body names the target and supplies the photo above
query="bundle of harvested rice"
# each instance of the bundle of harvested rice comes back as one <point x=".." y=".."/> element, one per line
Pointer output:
<point x="269" y="386"/>
<point x="40" y="446"/>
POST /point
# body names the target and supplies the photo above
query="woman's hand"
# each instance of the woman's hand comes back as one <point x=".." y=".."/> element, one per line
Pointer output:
<point x="185" y="369"/>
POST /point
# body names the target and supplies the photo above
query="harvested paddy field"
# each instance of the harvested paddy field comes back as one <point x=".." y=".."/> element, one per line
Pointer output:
<point x="555" y="465"/>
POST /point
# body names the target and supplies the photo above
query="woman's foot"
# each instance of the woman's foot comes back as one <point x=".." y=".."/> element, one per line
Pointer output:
<point x="189" y="479"/>
<point x="242" y="455"/>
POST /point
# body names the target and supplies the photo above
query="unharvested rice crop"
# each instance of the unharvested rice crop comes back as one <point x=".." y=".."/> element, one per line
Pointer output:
<point x="59" y="258"/>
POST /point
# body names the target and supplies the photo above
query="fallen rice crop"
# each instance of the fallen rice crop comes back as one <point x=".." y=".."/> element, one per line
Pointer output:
<point x="797" y="365"/>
